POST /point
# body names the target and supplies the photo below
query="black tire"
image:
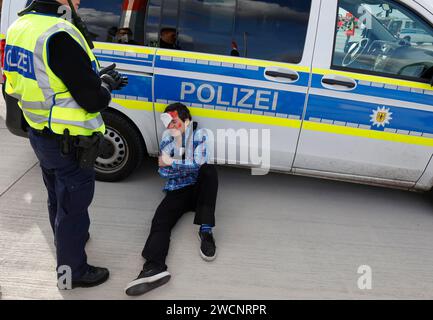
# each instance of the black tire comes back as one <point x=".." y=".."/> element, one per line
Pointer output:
<point x="124" y="149"/>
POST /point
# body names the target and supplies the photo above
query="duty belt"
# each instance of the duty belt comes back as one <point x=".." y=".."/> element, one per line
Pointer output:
<point x="46" y="133"/>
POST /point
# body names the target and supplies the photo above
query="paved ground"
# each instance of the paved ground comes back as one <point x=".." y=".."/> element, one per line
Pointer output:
<point x="278" y="236"/>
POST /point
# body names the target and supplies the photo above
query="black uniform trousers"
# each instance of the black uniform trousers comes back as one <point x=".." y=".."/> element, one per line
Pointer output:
<point x="70" y="193"/>
<point x="200" y="197"/>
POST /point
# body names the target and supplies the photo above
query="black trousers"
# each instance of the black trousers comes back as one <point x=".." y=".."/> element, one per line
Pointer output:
<point x="200" y="198"/>
<point x="70" y="193"/>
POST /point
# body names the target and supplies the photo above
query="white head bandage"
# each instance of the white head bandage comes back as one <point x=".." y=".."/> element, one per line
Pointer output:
<point x="166" y="119"/>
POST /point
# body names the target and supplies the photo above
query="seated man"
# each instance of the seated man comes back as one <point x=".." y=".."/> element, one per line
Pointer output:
<point x="192" y="186"/>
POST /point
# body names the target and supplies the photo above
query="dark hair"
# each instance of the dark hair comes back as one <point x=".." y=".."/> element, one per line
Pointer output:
<point x="127" y="29"/>
<point x="168" y="29"/>
<point x="112" y="31"/>
<point x="181" y="109"/>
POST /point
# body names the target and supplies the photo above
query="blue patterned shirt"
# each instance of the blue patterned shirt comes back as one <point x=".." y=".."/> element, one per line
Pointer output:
<point x="184" y="172"/>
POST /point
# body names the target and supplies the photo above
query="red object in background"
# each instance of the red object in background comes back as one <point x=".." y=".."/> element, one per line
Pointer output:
<point x="2" y="52"/>
<point x="350" y="32"/>
<point x="134" y="5"/>
<point x="235" y="50"/>
<point x="133" y="17"/>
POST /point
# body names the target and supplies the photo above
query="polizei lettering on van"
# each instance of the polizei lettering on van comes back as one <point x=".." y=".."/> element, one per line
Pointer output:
<point x="241" y="97"/>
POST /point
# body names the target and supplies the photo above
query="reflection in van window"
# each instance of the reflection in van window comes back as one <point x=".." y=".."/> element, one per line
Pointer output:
<point x="115" y="21"/>
<point x="273" y="29"/>
<point x="153" y="20"/>
<point x="262" y="29"/>
<point x="206" y="26"/>
<point x="384" y="37"/>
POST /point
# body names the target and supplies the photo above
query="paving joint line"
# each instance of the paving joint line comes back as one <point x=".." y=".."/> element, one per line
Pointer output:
<point x="17" y="180"/>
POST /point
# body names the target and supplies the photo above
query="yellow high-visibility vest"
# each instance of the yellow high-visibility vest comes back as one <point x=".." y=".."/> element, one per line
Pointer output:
<point x="43" y="97"/>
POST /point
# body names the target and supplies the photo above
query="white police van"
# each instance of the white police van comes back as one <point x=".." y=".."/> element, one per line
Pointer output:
<point x="343" y="94"/>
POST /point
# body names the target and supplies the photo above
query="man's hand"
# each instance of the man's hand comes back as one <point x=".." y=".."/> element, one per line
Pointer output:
<point x="165" y="160"/>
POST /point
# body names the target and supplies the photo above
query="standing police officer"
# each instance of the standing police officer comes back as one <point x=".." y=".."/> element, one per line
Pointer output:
<point x="51" y="70"/>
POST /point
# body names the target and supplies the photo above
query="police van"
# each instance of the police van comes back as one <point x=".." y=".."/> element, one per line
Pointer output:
<point x="343" y="92"/>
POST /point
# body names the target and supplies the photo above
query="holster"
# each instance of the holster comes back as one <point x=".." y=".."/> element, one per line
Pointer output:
<point x="88" y="149"/>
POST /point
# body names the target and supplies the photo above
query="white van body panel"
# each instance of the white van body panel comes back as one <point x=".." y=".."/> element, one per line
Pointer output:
<point x="9" y="13"/>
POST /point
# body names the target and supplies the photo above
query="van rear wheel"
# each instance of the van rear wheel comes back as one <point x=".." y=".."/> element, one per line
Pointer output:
<point x="123" y="149"/>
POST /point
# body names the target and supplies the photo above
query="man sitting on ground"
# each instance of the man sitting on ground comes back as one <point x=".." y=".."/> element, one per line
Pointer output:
<point x="192" y="186"/>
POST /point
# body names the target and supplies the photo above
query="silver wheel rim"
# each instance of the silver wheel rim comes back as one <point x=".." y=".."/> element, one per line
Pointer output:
<point x="115" y="154"/>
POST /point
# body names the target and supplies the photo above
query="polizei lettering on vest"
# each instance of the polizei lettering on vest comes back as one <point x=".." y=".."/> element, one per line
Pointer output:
<point x="19" y="60"/>
<point x="241" y="97"/>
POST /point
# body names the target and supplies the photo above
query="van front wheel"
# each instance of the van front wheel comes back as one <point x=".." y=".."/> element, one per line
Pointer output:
<point x="123" y="149"/>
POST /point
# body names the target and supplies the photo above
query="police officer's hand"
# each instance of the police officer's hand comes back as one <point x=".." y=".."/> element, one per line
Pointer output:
<point x="114" y="81"/>
<point x="107" y="69"/>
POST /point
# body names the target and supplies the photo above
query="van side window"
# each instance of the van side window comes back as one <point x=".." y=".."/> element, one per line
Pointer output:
<point x="383" y="37"/>
<point x="261" y="29"/>
<point x="115" y="21"/>
<point x="206" y="26"/>
<point x="272" y="30"/>
<point x="153" y="21"/>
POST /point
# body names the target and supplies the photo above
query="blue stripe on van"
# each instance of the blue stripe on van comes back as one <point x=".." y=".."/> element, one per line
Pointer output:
<point x="125" y="60"/>
<point x="226" y="95"/>
<point x="287" y="103"/>
<point x="360" y="112"/>
<point x="383" y="92"/>
<point x="229" y="69"/>
<point x="138" y="86"/>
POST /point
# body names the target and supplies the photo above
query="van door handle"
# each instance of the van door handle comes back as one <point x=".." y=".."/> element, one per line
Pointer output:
<point x="334" y="82"/>
<point x="337" y="82"/>
<point x="277" y="74"/>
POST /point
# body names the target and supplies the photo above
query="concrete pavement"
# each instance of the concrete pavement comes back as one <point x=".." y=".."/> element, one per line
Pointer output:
<point x="278" y="237"/>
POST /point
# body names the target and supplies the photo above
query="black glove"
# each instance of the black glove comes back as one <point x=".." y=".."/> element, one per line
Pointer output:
<point x="106" y="70"/>
<point x="111" y="79"/>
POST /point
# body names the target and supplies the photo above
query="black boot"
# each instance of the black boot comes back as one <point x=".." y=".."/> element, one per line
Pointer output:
<point x="93" y="277"/>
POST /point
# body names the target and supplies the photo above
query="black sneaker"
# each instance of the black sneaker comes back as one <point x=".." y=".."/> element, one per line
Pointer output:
<point x="207" y="246"/>
<point x="93" y="277"/>
<point x="152" y="276"/>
